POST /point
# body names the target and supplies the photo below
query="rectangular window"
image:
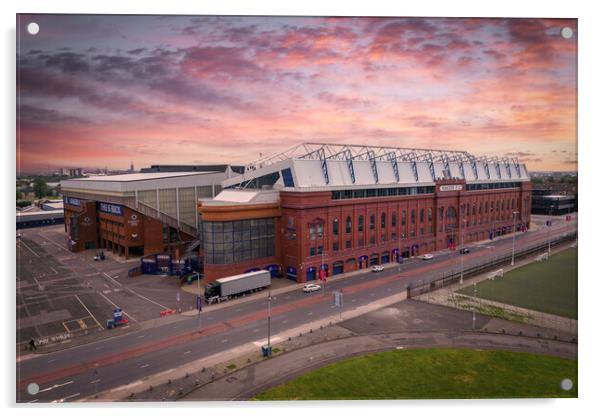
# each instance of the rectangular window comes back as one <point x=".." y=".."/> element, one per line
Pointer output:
<point x="372" y="240"/>
<point x="360" y="242"/>
<point x="312" y="251"/>
<point x="335" y="246"/>
<point x="348" y="244"/>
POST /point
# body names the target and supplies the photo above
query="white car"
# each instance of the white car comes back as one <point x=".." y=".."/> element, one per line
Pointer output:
<point x="427" y="256"/>
<point x="377" y="268"/>
<point x="311" y="287"/>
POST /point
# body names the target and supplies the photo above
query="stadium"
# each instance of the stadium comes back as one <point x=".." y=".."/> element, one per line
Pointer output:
<point x="314" y="210"/>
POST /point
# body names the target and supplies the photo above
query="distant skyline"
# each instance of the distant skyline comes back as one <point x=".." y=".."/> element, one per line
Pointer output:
<point x="108" y="90"/>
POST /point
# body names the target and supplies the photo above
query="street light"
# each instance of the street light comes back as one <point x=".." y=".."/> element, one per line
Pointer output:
<point x="549" y="229"/>
<point x="514" y="214"/>
<point x="474" y="301"/>
<point x="269" y="314"/>
<point x="462" y="251"/>
<point x="199" y="301"/>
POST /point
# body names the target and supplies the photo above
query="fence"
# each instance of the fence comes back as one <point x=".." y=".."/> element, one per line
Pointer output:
<point x="435" y="282"/>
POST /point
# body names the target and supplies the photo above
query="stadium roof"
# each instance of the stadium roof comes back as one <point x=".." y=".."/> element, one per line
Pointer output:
<point x="316" y="166"/>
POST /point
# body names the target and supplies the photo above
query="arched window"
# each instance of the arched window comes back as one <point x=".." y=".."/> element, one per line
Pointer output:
<point x="430" y="214"/>
<point x="486" y="206"/>
<point x="413" y="217"/>
<point x="360" y="223"/>
<point x="422" y="215"/>
<point x="394" y="220"/>
<point x="451" y="213"/>
<point x="383" y="220"/>
<point x="372" y="221"/>
<point x="474" y="208"/>
<point x="348" y="225"/>
<point x="403" y="217"/>
<point x="335" y="226"/>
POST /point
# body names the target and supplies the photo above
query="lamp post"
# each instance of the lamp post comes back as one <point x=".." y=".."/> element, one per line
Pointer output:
<point x="200" y="300"/>
<point x="514" y="214"/>
<point x="549" y="230"/>
<point x="269" y="314"/>
<point x="474" y="301"/>
<point x="463" y="225"/>
<point x="322" y="270"/>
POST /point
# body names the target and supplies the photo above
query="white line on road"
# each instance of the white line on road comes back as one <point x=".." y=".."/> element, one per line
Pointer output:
<point x="224" y="340"/>
<point x="353" y="300"/>
<point x="51" y="361"/>
<point x="187" y="352"/>
<point x="28" y="248"/>
<point x="56" y="386"/>
<point x="113" y="280"/>
<point x="237" y="310"/>
<point x="285" y="321"/>
<point x="144" y="366"/>
<point x="52" y="268"/>
<point x="256" y="330"/>
<point x="65" y="398"/>
<point x="310" y="313"/>
<point x="95" y="320"/>
<point x="95" y="381"/>
<point x="99" y="348"/>
<point x="140" y="336"/>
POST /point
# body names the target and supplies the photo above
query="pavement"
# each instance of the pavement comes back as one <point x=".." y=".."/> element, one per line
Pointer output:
<point x="267" y="373"/>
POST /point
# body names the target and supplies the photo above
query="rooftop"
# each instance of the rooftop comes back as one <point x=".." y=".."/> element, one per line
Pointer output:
<point x="131" y="177"/>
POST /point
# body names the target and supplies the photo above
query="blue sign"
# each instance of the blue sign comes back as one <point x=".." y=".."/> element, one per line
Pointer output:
<point x="110" y="208"/>
<point x="72" y="201"/>
<point x="117" y="314"/>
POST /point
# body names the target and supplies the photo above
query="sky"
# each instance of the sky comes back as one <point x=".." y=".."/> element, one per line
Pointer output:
<point x="107" y="90"/>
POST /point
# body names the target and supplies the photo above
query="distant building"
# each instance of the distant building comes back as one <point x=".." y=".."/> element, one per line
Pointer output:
<point x="547" y="202"/>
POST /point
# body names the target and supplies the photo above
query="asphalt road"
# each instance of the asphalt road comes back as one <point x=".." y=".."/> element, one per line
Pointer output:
<point x="77" y="372"/>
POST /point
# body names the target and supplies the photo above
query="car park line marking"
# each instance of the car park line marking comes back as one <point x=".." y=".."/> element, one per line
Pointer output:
<point x="33" y="401"/>
<point x="28" y="248"/>
<point x="144" y="366"/>
<point x="187" y="352"/>
<point x="113" y="303"/>
<point x="145" y="298"/>
<point x="58" y="245"/>
<point x="113" y="280"/>
<point x="52" y="268"/>
<point x="66" y="329"/>
<point x="95" y="320"/>
<point x="92" y="274"/>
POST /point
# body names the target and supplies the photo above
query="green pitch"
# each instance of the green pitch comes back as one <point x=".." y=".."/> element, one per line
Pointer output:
<point x="549" y="286"/>
<point x="433" y="374"/>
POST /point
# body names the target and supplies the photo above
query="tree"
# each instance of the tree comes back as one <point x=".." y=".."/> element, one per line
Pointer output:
<point x="40" y="188"/>
<point x="19" y="195"/>
<point x="23" y="203"/>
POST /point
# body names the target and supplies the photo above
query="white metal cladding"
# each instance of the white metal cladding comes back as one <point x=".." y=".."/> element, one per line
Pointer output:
<point x="328" y="166"/>
<point x="144" y="181"/>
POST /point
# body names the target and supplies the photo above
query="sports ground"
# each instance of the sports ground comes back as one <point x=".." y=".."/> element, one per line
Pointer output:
<point x="433" y="374"/>
<point x="548" y="286"/>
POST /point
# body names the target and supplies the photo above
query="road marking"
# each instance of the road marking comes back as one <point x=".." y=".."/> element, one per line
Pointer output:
<point x="176" y="327"/>
<point x="187" y="352"/>
<point x="112" y="303"/>
<point x="310" y="313"/>
<point x="99" y="348"/>
<point x="95" y="320"/>
<point x="237" y="310"/>
<point x="144" y="366"/>
<point x="92" y="274"/>
<point x="224" y="340"/>
<point x="52" y="268"/>
<point x="56" y="386"/>
<point x="65" y="398"/>
<point x="58" y="245"/>
<point x="140" y="336"/>
<point x="113" y="280"/>
<point x="256" y="330"/>
<point x="33" y="401"/>
<point x="95" y="381"/>
<point x="372" y="294"/>
<point x="28" y="248"/>
<point x="50" y="361"/>
<point x="285" y="321"/>
<point x="352" y="300"/>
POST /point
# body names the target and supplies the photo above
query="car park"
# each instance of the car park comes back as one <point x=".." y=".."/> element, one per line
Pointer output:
<point x="427" y="256"/>
<point x="377" y="268"/>
<point x="311" y="287"/>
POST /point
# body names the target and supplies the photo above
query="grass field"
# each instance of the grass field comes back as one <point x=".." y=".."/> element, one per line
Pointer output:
<point x="433" y="374"/>
<point x="548" y="286"/>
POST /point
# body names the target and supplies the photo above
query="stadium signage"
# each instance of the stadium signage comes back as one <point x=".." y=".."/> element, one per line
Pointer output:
<point x="445" y="188"/>
<point x="110" y="208"/>
<point x="72" y="201"/>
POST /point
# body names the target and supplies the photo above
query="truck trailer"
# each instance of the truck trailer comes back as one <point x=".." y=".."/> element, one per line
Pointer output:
<point x="234" y="286"/>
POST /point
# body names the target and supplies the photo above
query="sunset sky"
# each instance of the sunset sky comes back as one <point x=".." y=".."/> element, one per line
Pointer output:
<point x="96" y="91"/>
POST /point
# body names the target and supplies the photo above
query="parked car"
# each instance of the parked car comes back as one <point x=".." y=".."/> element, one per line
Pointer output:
<point x="464" y="250"/>
<point x="311" y="287"/>
<point x="427" y="256"/>
<point x="377" y="268"/>
<point x="99" y="256"/>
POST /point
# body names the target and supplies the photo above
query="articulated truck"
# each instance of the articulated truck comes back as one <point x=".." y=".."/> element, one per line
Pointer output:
<point x="234" y="286"/>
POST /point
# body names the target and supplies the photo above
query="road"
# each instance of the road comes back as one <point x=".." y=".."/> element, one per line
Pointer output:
<point x="81" y="371"/>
